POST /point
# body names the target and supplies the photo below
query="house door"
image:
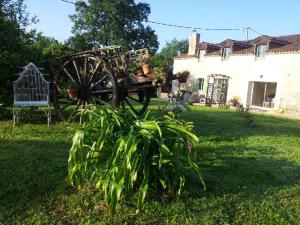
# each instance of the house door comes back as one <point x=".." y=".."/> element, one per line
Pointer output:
<point x="262" y="94"/>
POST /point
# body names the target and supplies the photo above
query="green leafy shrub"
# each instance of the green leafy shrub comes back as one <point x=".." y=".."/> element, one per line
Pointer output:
<point x="158" y="76"/>
<point x="249" y="117"/>
<point x="121" y="154"/>
<point x="235" y="101"/>
<point x="176" y="104"/>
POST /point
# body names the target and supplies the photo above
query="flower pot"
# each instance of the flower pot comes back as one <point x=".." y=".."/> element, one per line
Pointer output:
<point x="147" y="69"/>
<point x="72" y="92"/>
<point x="182" y="77"/>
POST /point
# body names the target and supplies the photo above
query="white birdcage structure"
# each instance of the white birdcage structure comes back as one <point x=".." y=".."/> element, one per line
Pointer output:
<point x="31" y="89"/>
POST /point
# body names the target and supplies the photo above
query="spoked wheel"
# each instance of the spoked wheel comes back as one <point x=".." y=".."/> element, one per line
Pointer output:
<point x="82" y="80"/>
<point x="137" y="101"/>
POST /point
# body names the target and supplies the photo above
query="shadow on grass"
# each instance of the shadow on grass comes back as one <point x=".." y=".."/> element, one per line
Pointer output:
<point x="229" y="174"/>
<point x="33" y="115"/>
<point x="231" y="165"/>
<point x="31" y="173"/>
<point x="237" y="184"/>
<point x="240" y="190"/>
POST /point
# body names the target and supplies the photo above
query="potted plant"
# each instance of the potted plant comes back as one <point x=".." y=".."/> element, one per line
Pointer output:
<point x="182" y="76"/>
<point x="147" y="68"/>
<point x="158" y="76"/>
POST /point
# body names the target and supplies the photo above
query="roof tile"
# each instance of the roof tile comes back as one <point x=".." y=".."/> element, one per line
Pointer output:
<point x="287" y="43"/>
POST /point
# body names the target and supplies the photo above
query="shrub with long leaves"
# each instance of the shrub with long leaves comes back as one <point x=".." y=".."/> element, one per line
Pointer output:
<point x="122" y="154"/>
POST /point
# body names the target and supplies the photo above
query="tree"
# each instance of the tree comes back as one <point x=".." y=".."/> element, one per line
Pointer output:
<point x="13" y="21"/>
<point x="164" y="59"/>
<point x="112" y="22"/>
<point x="41" y="48"/>
<point x="18" y="46"/>
<point x="174" y="47"/>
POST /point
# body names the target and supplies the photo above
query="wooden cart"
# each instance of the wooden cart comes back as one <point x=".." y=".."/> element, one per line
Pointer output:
<point x="101" y="77"/>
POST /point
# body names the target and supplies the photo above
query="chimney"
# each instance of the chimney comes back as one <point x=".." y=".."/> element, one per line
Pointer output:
<point x="194" y="40"/>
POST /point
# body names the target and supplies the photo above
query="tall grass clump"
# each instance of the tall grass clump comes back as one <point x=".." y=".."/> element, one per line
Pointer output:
<point x="125" y="156"/>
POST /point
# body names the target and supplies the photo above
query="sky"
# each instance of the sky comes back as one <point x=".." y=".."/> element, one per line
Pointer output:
<point x="270" y="17"/>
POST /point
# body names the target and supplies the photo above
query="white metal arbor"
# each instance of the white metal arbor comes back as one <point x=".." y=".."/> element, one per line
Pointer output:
<point x="31" y="89"/>
<point x="217" y="89"/>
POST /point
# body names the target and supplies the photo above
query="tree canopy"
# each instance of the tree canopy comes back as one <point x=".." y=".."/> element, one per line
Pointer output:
<point x="164" y="58"/>
<point x="13" y="21"/>
<point x="19" y="46"/>
<point x="112" y="22"/>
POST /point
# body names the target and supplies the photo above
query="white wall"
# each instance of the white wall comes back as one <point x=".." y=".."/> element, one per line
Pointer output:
<point x="281" y="68"/>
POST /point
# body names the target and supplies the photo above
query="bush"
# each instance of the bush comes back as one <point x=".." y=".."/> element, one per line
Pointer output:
<point x="249" y="117"/>
<point x="121" y="154"/>
<point x="235" y="101"/>
<point x="5" y="113"/>
<point x="158" y="76"/>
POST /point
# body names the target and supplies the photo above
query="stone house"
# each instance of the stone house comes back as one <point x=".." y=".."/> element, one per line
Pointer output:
<point x="263" y="73"/>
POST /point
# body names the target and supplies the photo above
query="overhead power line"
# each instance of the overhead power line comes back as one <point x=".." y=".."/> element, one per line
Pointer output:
<point x="194" y="28"/>
<point x="173" y="25"/>
<point x="255" y="31"/>
<point x="74" y="3"/>
<point x="180" y="26"/>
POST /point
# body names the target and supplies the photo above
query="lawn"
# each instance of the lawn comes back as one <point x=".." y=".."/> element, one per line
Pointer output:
<point x="252" y="175"/>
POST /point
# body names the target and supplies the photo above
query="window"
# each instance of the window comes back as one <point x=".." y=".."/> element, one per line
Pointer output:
<point x="262" y="94"/>
<point x="200" y="84"/>
<point x="225" y="53"/>
<point x="260" y="51"/>
<point x="202" y="53"/>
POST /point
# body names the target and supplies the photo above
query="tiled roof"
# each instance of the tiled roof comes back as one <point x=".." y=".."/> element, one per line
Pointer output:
<point x="184" y="56"/>
<point x="282" y="44"/>
<point x="294" y="44"/>
<point x="205" y="45"/>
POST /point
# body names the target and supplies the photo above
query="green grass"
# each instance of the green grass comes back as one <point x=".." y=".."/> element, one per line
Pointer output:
<point x="252" y="174"/>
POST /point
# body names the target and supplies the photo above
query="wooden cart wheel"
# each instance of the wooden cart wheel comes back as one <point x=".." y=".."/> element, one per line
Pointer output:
<point x="137" y="101"/>
<point x="84" y="79"/>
